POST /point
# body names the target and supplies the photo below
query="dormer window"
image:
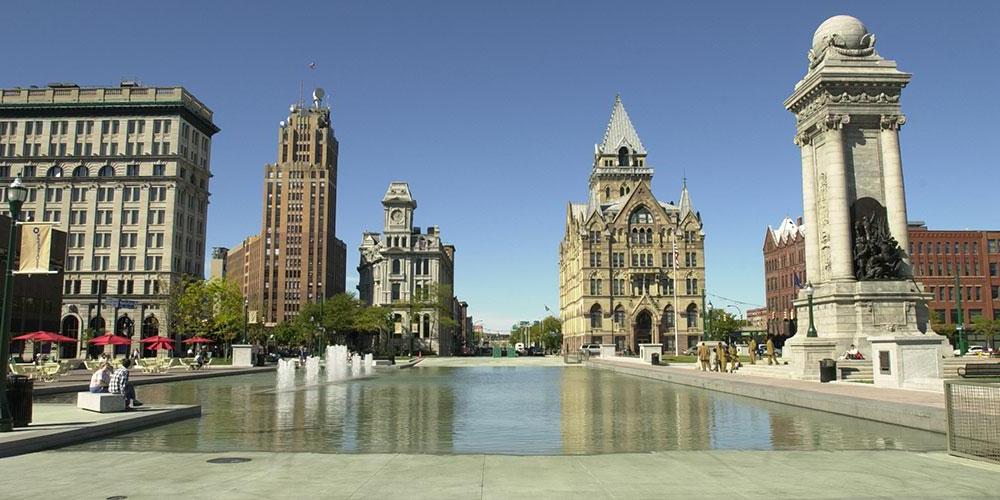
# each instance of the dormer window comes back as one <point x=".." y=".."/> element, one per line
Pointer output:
<point x="623" y="156"/>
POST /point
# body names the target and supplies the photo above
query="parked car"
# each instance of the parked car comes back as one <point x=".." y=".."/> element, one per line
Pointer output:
<point x="536" y="351"/>
<point x="975" y="350"/>
<point x="592" y="349"/>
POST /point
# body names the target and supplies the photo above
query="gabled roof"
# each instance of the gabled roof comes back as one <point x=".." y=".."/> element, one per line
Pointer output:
<point x="398" y="193"/>
<point x="787" y="231"/>
<point x="620" y="132"/>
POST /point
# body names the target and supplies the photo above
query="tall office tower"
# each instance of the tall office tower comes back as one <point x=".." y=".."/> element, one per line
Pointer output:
<point x="124" y="171"/>
<point x="303" y="261"/>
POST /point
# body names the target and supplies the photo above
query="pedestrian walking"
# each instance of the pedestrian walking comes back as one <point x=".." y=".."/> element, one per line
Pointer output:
<point x="703" y="356"/>
<point x="770" y="351"/>
<point x="752" y="351"/>
<point x="713" y="359"/>
<point x="734" y="358"/>
<point x="723" y="356"/>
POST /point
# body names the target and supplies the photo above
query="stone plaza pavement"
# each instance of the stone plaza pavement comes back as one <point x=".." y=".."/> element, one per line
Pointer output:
<point x="676" y="474"/>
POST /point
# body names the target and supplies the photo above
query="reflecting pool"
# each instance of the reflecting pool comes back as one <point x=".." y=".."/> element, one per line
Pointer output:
<point x="503" y="410"/>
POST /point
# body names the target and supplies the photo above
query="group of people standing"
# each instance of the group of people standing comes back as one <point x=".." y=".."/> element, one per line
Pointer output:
<point x="725" y="357"/>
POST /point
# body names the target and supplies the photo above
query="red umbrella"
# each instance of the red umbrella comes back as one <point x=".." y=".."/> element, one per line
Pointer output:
<point x="197" y="340"/>
<point x="41" y="336"/>
<point x="109" y="338"/>
<point x="160" y="346"/>
<point x="158" y="338"/>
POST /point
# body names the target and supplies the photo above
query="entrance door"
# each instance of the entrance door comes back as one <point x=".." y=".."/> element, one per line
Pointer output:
<point x="643" y="329"/>
<point x="70" y="328"/>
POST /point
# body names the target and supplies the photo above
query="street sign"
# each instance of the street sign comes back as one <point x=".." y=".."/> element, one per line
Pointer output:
<point x="123" y="303"/>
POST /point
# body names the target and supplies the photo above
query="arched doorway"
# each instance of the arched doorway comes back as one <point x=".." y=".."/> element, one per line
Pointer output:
<point x="150" y="326"/>
<point x="643" y="329"/>
<point x="97" y="326"/>
<point x="123" y="328"/>
<point x="692" y="316"/>
<point x="70" y="328"/>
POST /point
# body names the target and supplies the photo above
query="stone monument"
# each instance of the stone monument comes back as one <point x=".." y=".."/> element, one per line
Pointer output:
<point x="847" y="113"/>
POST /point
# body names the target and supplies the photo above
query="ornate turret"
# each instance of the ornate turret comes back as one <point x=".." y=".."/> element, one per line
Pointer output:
<point x="619" y="160"/>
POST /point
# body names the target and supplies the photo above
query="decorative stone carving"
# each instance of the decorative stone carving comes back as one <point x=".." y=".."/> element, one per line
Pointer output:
<point x="833" y="122"/>
<point x="892" y="122"/>
<point x="824" y="224"/>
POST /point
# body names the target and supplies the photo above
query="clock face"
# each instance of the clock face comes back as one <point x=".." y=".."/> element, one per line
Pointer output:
<point x="396" y="216"/>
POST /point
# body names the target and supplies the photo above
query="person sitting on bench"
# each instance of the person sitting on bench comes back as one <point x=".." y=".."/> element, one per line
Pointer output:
<point x="121" y="385"/>
<point x="101" y="379"/>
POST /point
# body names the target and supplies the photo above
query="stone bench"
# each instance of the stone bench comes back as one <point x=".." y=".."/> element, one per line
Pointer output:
<point x="101" y="402"/>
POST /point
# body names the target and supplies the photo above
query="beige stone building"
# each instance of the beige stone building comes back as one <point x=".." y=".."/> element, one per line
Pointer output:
<point x="124" y="171"/>
<point x="401" y="268"/>
<point x="631" y="268"/>
<point x="296" y="258"/>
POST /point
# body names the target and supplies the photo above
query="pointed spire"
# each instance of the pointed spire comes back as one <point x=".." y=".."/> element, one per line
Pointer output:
<point x="685" y="204"/>
<point x="620" y="131"/>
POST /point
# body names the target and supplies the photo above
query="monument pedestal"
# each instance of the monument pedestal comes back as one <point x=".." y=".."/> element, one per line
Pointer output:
<point x="242" y="356"/>
<point x="608" y="351"/>
<point x="908" y="361"/>
<point x="804" y="354"/>
<point x="646" y="351"/>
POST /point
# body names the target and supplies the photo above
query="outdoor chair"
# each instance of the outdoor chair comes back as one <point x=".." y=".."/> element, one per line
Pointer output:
<point x="91" y="365"/>
<point x="189" y="363"/>
<point x="166" y="364"/>
<point x="49" y="372"/>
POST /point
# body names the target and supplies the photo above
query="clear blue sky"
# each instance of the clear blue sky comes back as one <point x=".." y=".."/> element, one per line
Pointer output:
<point x="490" y="110"/>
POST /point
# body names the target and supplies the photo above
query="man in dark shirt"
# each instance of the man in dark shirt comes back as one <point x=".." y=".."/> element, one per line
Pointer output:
<point x="120" y="385"/>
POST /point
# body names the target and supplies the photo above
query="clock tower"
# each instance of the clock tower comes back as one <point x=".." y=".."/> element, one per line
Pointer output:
<point x="399" y="206"/>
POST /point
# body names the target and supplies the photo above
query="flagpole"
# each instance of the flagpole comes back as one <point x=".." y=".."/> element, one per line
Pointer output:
<point x="677" y="326"/>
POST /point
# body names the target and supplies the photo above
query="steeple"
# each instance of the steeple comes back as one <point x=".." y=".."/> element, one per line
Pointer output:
<point x="619" y="160"/>
<point x="620" y="132"/>
<point x="685" y="205"/>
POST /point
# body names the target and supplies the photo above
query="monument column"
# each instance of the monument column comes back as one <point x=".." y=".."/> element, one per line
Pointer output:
<point x="895" y="194"/>
<point x="838" y="211"/>
<point x="809" y="207"/>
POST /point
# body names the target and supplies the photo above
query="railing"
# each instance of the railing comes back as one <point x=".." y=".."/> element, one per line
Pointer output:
<point x="973" y="410"/>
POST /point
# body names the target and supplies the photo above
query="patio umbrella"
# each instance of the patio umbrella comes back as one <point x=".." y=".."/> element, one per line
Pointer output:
<point x="41" y="336"/>
<point x="198" y="340"/>
<point x="109" y="338"/>
<point x="160" y="346"/>
<point x="158" y="338"/>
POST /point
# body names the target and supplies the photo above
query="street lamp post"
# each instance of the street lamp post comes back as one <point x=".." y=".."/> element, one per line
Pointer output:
<point x="16" y="194"/>
<point x="246" y="318"/>
<point x="705" y="333"/>
<point x="809" y="294"/>
<point x="739" y="319"/>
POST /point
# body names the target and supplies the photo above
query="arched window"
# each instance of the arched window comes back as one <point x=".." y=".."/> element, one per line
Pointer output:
<point x="150" y="327"/>
<point x="80" y="171"/>
<point x="106" y="171"/>
<point x="640" y="216"/>
<point x="623" y="156"/>
<point x="595" y="316"/>
<point x="56" y="171"/>
<point x="668" y="317"/>
<point x="395" y="266"/>
<point x="621" y="191"/>
<point x="692" y="316"/>
<point x="427" y="326"/>
<point x="619" y="316"/>
<point x="607" y="193"/>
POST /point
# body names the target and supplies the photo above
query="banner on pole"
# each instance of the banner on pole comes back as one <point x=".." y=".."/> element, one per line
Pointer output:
<point x="252" y="317"/>
<point x="36" y="247"/>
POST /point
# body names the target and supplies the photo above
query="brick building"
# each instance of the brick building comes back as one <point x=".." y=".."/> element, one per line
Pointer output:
<point x="784" y="273"/>
<point x="936" y="255"/>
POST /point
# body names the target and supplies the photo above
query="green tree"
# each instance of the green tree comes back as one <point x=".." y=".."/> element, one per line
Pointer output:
<point x="988" y="328"/>
<point x="720" y="324"/>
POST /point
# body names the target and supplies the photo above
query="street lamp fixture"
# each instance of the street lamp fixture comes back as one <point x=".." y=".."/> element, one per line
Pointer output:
<point x="710" y="307"/>
<point x="16" y="194"/>
<point x="809" y="294"/>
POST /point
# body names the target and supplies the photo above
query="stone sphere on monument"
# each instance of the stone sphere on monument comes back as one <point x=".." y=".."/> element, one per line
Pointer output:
<point x="849" y="32"/>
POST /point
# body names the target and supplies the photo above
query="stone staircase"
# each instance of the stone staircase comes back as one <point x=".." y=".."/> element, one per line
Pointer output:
<point x="951" y="365"/>
<point x="763" y="370"/>
<point x="855" y="370"/>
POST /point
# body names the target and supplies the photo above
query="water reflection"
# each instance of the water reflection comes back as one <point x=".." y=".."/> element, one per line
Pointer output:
<point x="494" y="410"/>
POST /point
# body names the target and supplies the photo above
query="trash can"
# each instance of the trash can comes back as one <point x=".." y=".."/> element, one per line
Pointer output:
<point x="20" y="390"/>
<point x="827" y="370"/>
<point x="654" y="358"/>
